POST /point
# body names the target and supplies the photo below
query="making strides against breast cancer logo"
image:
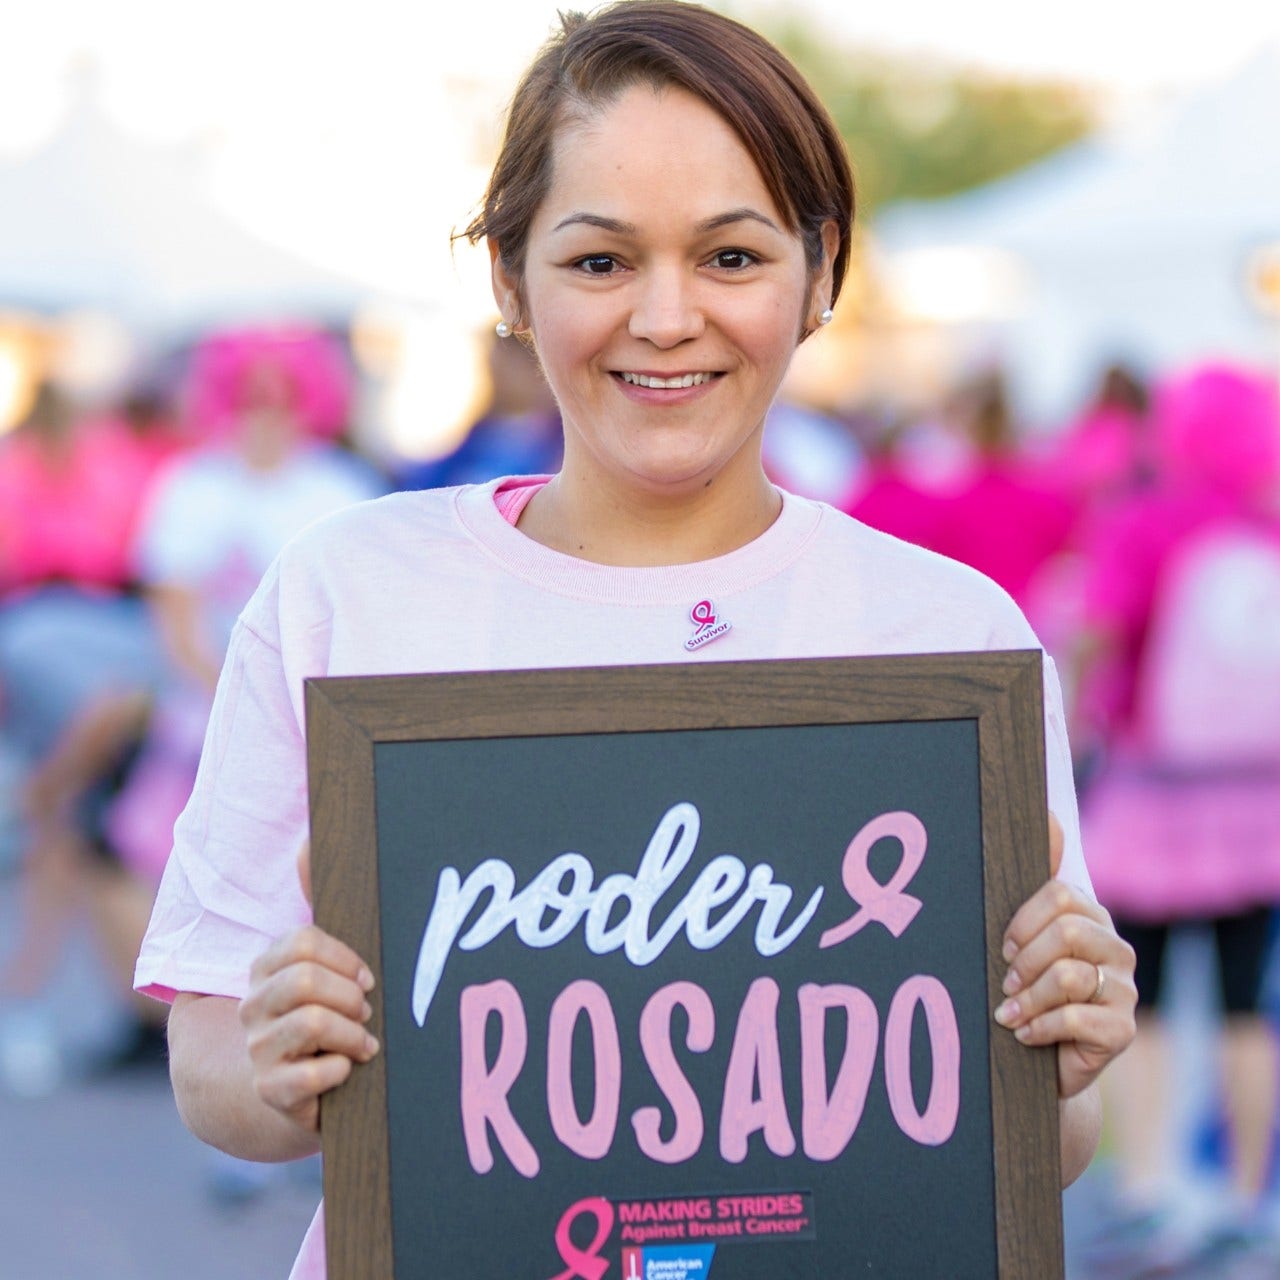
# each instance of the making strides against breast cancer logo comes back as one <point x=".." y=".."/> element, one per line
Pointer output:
<point x="709" y="627"/>
<point x="676" y="1238"/>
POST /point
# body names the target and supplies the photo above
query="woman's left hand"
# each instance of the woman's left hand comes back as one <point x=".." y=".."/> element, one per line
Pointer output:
<point x="1070" y="978"/>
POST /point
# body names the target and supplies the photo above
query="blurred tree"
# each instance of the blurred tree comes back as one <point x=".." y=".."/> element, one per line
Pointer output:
<point x="918" y="129"/>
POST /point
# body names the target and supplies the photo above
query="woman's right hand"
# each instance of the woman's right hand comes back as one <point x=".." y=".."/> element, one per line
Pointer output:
<point x="304" y="1019"/>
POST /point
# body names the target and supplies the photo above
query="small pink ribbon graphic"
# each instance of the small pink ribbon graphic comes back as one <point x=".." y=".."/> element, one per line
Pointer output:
<point x="884" y="903"/>
<point x="703" y="613"/>
<point x="584" y="1264"/>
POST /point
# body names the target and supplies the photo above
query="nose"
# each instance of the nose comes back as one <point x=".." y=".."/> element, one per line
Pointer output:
<point x="666" y="311"/>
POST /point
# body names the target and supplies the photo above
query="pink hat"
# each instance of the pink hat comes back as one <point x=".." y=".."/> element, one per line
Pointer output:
<point x="299" y="369"/>
<point x="1219" y="425"/>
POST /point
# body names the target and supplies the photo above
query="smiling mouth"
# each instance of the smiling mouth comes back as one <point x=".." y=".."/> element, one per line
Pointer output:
<point x="668" y="384"/>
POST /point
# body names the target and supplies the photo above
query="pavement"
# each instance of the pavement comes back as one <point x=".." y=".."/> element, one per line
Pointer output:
<point x="101" y="1181"/>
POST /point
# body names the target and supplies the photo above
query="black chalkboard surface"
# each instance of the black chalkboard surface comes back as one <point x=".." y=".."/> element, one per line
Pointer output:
<point x="687" y="971"/>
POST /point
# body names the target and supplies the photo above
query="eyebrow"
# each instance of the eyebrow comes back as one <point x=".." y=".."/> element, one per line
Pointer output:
<point x="620" y="228"/>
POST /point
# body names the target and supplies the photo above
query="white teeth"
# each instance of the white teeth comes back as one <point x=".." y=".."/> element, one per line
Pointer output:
<point x="667" y="384"/>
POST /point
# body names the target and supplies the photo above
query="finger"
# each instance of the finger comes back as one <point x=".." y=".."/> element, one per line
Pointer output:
<point x="1068" y="936"/>
<point x="1048" y="903"/>
<point x="304" y="870"/>
<point x="304" y="1032"/>
<point x="295" y="1088"/>
<point x="1095" y="1033"/>
<point x="1057" y="843"/>
<point x="1067" y="981"/>
<point x="301" y="984"/>
<point x="311" y="944"/>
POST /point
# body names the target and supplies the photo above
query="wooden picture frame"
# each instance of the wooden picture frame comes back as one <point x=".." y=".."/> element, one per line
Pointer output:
<point x="996" y="698"/>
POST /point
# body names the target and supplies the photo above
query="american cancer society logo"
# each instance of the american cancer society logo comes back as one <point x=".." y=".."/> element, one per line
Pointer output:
<point x="668" y="1262"/>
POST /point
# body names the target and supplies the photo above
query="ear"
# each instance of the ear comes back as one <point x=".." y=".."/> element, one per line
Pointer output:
<point x="506" y="288"/>
<point x="824" y="278"/>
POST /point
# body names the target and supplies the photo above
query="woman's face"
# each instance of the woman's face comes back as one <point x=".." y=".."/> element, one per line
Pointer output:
<point x="664" y="294"/>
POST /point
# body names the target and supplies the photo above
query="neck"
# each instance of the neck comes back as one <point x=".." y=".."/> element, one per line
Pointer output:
<point x="642" y="530"/>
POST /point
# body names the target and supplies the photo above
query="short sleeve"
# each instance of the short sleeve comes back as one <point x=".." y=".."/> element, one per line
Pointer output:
<point x="1061" y="782"/>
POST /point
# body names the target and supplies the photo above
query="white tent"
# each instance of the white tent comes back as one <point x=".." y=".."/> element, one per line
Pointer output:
<point x="1134" y="245"/>
<point x="99" y="220"/>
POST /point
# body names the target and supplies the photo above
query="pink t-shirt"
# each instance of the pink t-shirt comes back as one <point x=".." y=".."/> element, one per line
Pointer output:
<point x="72" y="516"/>
<point x="889" y="499"/>
<point x="995" y="515"/>
<point x="1101" y="453"/>
<point x="512" y="496"/>
<point x="1006" y="523"/>
<point x="439" y="580"/>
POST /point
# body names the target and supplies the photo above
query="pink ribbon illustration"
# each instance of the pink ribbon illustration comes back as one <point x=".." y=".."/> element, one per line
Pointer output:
<point x="584" y="1264"/>
<point x="884" y="903"/>
<point x="703" y="613"/>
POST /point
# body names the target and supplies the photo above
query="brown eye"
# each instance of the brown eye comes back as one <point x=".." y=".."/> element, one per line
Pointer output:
<point x="733" y="259"/>
<point x="598" y="264"/>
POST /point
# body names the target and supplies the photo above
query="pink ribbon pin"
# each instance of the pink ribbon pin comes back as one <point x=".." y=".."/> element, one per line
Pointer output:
<point x="884" y="903"/>
<point x="584" y="1264"/>
<point x="703" y="613"/>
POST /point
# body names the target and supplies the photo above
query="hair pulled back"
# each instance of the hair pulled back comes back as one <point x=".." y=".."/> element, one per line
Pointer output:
<point x="740" y="75"/>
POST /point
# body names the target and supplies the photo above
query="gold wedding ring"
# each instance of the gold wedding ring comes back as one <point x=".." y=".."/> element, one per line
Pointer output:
<point x="1101" y="987"/>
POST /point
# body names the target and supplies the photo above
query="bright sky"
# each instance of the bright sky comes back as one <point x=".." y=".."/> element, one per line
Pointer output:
<point x="359" y="140"/>
<point x="172" y="68"/>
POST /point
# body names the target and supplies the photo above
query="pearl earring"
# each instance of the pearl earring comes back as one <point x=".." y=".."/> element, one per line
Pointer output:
<point x="503" y="329"/>
<point x="827" y="316"/>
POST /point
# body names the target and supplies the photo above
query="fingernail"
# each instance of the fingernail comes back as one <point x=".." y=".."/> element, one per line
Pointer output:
<point x="365" y="979"/>
<point x="1007" y="1012"/>
<point x="1010" y="950"/>
<point x="1012" y="983"/>
<point x="370" y="1046"/>
<point x="366" y="1012"/>
<point x="1023" y="1034"/>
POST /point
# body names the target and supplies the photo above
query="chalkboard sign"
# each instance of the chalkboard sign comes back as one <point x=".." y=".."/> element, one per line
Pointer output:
<point x="687" y="971"/>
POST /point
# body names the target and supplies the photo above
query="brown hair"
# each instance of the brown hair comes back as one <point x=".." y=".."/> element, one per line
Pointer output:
<point x="739" y="74"/>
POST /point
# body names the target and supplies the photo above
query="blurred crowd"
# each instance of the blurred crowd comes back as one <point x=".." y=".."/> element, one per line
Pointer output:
<point x="1142" y="539"/>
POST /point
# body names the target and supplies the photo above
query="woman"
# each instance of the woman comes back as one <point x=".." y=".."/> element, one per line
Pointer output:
<point x="668" y="219"/>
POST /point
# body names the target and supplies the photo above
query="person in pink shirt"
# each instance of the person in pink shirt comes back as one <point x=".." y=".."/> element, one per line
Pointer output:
<point x="70" y="491"/>
<point x="665" y="263"/>
<point x="966" y="491"/>
<point x="1107" y="450"/>
<point x="1181" y="689"/>
<point x="1003" y="516"/>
